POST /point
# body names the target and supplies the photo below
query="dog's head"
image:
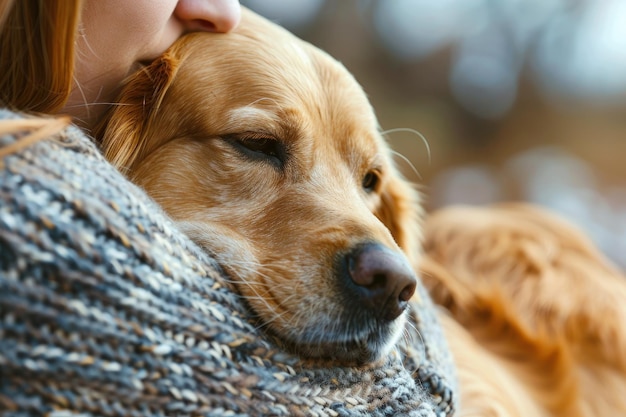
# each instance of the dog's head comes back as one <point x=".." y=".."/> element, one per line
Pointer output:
<point x="267" y="153"/>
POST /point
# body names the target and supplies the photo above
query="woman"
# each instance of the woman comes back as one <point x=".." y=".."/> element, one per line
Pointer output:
<point x="76" y="59"/>
<point x="105" y="308"/>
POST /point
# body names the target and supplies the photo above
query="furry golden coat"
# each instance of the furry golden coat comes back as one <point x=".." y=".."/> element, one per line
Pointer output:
<point x="535" y="316"/>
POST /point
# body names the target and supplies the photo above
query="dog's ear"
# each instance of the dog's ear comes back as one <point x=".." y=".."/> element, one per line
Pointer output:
<point x="121" y="133"/>
<point x="400" y="210"/>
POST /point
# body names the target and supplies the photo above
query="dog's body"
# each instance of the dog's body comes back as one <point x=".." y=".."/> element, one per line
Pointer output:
<point x="535" y="315"/>
<point x="267" y="153"/>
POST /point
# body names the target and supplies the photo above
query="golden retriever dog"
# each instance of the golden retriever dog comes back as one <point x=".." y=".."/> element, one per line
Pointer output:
<point x="534" y="315"/>
<point x="267" y="153"/>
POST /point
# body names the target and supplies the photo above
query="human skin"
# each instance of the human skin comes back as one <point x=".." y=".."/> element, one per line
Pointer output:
<point x="116" y="36"/>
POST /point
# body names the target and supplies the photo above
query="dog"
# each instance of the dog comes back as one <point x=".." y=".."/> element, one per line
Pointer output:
<point x="266" y="152"/>
<point x="534" y="314"/>
<point x="270" y="158"/>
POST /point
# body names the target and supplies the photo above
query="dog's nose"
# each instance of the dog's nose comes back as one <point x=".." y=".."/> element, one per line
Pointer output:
<point x="384" y="280"/>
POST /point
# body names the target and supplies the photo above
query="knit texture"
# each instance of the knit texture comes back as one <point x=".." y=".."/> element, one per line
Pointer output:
<point x="107" y="309"/>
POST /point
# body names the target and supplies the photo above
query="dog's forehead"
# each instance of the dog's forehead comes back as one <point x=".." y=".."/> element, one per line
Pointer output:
<point x="262" y="77"/>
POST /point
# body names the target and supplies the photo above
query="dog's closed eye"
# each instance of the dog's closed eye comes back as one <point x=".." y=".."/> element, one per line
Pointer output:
<point x="259" y="147"/>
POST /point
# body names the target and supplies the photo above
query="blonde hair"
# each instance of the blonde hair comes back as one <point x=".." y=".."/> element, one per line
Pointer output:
<point x="37" y="41"/>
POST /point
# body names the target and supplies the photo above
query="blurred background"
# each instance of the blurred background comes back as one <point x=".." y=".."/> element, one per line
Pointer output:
<point x="491" y="100"/>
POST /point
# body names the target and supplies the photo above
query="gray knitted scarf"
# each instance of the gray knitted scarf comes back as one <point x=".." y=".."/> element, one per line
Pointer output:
<point x="106" y="309"/>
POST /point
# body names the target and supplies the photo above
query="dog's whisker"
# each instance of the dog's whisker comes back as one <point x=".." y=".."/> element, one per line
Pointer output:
<point x="267" y="321"/>
<point x="253" y="285"/>
<point x="410" y="339"/>
<point x="98" y="103"/>
<point x="408" y="162"/>
<point x="415" y="132"/>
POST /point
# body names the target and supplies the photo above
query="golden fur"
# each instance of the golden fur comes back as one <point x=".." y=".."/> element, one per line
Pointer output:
<point x="270" y="158"/>
<point x="532" y="312"/>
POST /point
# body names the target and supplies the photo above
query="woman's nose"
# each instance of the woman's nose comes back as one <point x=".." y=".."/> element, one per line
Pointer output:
<point x="209" y="15"/>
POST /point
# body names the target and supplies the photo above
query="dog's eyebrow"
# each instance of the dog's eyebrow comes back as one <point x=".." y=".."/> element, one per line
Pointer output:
<point x="250" y="117"/>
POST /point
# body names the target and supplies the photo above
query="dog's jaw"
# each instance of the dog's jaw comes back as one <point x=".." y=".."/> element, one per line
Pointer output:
<point x="360" y="347"/>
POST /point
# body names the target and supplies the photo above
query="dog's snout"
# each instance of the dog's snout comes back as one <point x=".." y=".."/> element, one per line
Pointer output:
<point x="384" y="280"/>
